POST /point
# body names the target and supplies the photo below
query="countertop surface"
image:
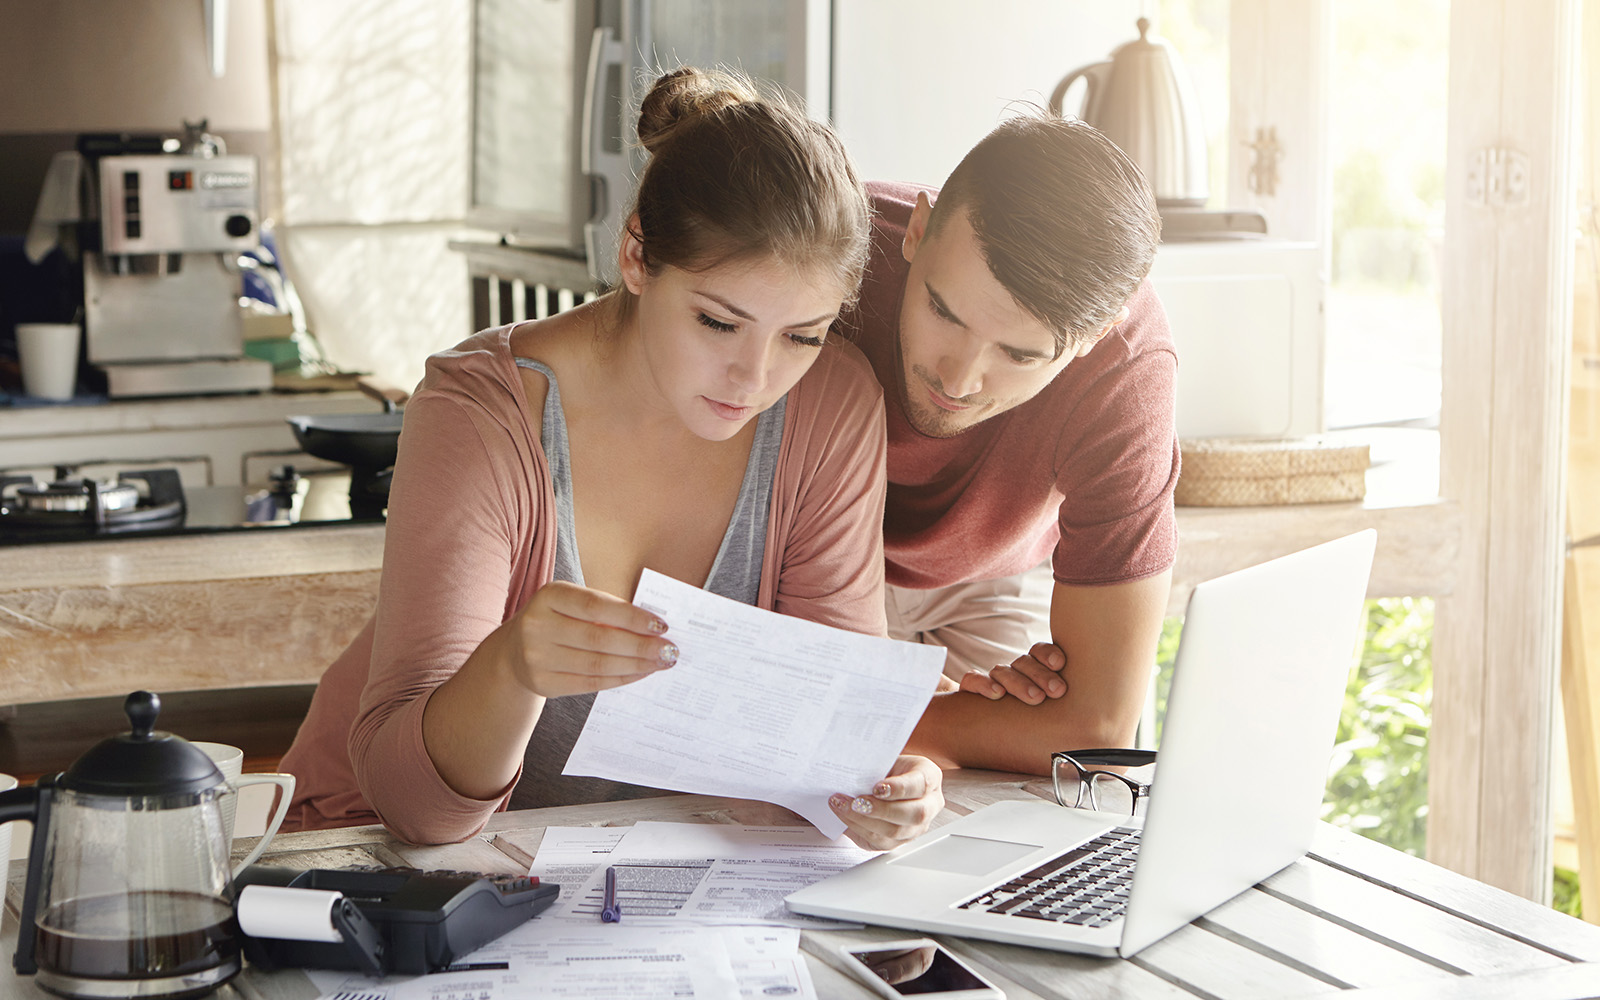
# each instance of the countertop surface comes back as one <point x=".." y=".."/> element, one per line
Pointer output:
<point x="1416" y="550"/>
<point x="276" y="605"/>
<point x="235" y="555"/>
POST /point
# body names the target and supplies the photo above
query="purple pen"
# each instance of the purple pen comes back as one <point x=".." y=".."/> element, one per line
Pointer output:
<point x="610" y="910"/>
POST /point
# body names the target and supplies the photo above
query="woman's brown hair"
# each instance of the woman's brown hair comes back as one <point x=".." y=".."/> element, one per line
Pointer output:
<point x="733" y="175"/>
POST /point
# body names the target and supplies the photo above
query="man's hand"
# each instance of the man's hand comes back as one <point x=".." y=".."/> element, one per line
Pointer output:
<point x="1030" y="678"/>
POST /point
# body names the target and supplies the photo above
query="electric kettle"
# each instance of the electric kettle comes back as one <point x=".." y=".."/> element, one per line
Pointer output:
<point x="1142" y="100"/>
<point x="129" y="891"/>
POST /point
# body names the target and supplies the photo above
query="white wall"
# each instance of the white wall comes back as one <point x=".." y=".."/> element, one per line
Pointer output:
<point x="372" y="102"/>
<point x="918" y="82"/>
<point x="112" y="65"/>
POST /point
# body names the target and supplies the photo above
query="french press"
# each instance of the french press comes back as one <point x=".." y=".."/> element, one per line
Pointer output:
<point x="128" y="891"/>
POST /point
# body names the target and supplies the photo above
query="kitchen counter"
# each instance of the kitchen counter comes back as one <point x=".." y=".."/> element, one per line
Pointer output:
<point x="188" y="612"/>
<point x="1418" y="542"/>
<point x="275" y="606"/>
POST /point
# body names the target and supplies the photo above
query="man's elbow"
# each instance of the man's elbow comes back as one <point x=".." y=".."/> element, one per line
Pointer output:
<point x="1084" y="727"/>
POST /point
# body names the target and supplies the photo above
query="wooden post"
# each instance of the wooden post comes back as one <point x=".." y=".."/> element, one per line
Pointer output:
<point x="1506" y="292"/>
<point x="1580" y="664"/>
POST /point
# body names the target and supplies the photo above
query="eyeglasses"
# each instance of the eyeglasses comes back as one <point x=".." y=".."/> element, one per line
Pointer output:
<point x="1079" y="785"/>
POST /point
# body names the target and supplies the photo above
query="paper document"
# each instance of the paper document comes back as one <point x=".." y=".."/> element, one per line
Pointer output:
<point x="600" y="963"/>
<point x="651" y="838"/>
<point x="759" y="706"/>
<point x="569" y="856"/>
<point x="687" y="875"/>
<point x="678" y="873"/>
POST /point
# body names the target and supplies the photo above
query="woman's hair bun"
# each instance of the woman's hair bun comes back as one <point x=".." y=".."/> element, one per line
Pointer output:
<point x="685" y="94"/>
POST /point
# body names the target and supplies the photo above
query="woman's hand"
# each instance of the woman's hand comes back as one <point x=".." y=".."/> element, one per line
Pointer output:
<point x="1031" y="677"/>
<point x="571" y="640"/>
<point x="901" y="807"/>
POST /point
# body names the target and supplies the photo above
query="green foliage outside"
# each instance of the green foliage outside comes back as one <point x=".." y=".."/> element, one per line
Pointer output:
<point x="1379" y="780"/>
<point x="1565" y="895"/>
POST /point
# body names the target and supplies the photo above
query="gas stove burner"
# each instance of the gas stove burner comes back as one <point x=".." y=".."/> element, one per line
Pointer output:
<point x="148" y="500"/>
<point x="76" y="496"/>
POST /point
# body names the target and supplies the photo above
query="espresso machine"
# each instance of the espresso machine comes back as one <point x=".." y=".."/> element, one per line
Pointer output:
<point x="165" y="222"/>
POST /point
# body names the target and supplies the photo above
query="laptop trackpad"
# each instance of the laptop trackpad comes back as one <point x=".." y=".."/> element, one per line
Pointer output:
<point x="960" y="855"/>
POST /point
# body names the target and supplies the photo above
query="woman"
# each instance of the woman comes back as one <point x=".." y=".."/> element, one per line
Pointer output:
<point x="698" y="420"/>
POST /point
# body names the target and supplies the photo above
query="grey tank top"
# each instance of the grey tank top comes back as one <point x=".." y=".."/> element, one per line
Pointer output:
<point x="735" y="574"/>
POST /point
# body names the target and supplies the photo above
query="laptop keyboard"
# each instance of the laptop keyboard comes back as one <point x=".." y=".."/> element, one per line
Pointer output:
<point x="1088" y="885"/>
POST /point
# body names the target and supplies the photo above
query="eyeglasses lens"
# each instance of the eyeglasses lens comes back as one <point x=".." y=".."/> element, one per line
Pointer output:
<point x="1070" y="790"/>
<point x="1110" y="794"/>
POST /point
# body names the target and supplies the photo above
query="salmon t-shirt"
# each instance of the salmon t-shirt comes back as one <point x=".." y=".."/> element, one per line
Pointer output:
<point x="1084" y="470"/>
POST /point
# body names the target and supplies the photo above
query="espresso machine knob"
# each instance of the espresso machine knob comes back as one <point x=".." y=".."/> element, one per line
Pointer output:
<point x="238" y="225"/>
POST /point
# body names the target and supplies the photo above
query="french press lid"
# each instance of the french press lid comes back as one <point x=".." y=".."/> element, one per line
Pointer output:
<point x="144" y="761"/>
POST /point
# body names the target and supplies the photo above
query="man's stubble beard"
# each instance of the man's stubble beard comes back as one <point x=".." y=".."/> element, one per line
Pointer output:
<point x="923" y="415"/>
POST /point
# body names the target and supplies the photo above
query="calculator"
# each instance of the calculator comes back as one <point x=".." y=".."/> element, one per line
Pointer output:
<point x="424" y="920"/>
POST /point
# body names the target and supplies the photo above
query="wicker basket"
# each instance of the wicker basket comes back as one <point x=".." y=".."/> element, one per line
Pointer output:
<point x="1222" y="472"/>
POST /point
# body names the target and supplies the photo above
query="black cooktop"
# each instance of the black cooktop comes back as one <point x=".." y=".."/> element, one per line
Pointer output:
<point x="315" y="499"/>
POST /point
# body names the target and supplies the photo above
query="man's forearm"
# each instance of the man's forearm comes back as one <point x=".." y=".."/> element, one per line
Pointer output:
<point x="960" y="729"/>
<point x="1109" y="636"/>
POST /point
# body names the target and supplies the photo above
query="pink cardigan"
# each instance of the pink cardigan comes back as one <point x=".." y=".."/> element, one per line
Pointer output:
<point x="471" y="537"/>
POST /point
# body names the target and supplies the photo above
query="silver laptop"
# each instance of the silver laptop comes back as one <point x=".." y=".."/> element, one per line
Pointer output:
<point x="1257" y="687"/>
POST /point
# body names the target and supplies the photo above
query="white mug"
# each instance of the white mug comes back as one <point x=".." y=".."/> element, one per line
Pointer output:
<point x="230" y="761"/>
<point x="48" y="353"/>
<point x="7" y="783"/>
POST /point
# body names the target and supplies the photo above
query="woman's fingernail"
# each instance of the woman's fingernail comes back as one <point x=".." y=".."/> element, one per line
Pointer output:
<point x="1056" y="687"/>
<point x="1034" y="692"/>
<point x="657" y="626"/>
<point x="882" y="791"/>
<point x="839" y="801"/>
<point x="668" y="655"/>
<point x="862" y="805"/>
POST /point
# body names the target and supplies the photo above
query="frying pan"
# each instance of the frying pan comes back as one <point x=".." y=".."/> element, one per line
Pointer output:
<point x="368" y="439"/>
<point x="361" y="440"/>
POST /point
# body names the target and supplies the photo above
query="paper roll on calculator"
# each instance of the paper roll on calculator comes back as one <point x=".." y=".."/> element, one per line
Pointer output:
<point x="269" y="911"/>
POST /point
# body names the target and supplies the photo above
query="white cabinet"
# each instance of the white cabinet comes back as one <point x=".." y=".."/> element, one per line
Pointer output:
<point x="212" y="441"/>
<point x="1247" y="318"/>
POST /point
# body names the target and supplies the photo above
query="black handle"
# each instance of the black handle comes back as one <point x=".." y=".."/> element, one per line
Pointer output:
<point x="30" y="804"/>
<point x="19" y="803"/>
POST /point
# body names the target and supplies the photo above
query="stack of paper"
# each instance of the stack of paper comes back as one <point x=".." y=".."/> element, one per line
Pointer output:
<point x="702" y="916"/>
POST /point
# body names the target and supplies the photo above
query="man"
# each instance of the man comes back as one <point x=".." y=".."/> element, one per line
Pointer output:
<point x="1028" y="373"/>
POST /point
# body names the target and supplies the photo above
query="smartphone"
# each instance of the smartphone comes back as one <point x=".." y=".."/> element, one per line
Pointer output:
<point x="917" y="967"/>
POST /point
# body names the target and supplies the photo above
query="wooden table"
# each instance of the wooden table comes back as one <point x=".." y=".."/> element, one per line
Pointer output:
<point x="1353" y="920"/>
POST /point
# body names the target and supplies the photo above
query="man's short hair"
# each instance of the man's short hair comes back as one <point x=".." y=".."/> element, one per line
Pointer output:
<point x="1065" y="220"/>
